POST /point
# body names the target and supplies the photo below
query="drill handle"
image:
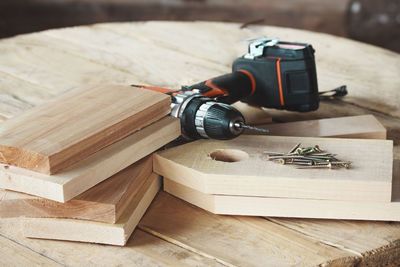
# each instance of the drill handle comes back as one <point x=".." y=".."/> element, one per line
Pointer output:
<point x="228" y="88"/>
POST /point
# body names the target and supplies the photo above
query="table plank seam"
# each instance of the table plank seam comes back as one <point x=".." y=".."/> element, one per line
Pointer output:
<point x="325" y="242"/>
<point x="27" y="247"/>
<point x="27" y="81"/>
<point x="182" y="245"/>
<point x="132" y="36"/>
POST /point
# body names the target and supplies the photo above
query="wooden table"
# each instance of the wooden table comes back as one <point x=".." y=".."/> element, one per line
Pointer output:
<point x="36" y="67"/>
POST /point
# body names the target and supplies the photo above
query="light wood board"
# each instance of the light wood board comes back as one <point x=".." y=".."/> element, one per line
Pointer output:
<point x="65" y="130"/>
<point x="363" y="126"/>
<point x="369" y="178"/>
<point x="96" y="168"/>
<point x="96" y="232"/>
<point x="295" y="208"/>
<point x="104" y="202"/>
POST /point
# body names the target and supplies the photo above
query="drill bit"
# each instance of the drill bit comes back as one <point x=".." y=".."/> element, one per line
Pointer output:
<point x="241" y="125"/>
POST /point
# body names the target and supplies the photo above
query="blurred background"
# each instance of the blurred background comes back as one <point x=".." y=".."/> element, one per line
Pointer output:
<point x="371" y="21"/>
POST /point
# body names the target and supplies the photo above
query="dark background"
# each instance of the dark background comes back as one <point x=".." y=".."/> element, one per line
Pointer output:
<point x="372" y="21"/>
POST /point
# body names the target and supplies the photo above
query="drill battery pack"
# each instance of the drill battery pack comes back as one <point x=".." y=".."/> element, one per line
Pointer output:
<point x="285" y="75"/>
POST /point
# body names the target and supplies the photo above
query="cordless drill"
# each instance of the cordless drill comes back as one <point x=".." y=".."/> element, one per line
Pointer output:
<point x="273" y="74"/>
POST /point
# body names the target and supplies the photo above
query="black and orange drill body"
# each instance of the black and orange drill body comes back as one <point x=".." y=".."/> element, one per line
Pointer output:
<point x="283" y="77"/>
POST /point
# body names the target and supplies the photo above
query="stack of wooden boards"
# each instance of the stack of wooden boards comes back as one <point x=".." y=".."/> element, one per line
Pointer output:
<point x="234" y="177"/>
<point x="83" y="162"/>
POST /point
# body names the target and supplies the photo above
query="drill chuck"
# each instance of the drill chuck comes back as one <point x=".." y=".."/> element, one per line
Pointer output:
<point x="203" y="118"/>
<point x="217" y="120"/>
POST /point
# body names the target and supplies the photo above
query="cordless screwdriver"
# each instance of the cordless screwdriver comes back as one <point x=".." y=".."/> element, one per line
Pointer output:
<point x="273" y="74"/>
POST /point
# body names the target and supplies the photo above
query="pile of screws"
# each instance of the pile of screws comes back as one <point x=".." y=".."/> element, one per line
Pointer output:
<point x="307" y="157"/>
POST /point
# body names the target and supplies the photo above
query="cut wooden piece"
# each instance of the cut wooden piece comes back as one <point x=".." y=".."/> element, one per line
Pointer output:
<point x="104" y="202"/>
<point x="96" y="232"/>
<point x="96" y="168"/>
<point x="53" y="136"/>
<point x="239" y="167"/>
<point x="364" y="126"/>
<point x="290" y="207"/>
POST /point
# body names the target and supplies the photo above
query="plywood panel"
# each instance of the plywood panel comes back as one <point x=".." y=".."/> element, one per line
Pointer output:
<point x="96" y="168"/>
<point x="53" y="136"/>
<point x="369" y="178"/>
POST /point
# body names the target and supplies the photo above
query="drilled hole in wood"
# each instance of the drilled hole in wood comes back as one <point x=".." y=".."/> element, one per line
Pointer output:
<point x="229" y="155"/>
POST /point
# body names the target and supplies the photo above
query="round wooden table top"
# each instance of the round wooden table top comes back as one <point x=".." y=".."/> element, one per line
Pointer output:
<point x="36" y="67"/>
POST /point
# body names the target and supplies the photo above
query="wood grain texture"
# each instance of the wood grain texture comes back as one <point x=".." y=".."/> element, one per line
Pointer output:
<point x="13" y="254"/>
<point x="55" y="135"/>
<point x="235" y="240"/>
<point x="289" y="207"/>
<point x="369" y="178"/>
<point x="37" y="67"/>
<point x="96" y="232"/>
<point x="363" y="126"/>
<point x="104" y="202"/>
<point x="142" y="249"/>
<point x="93" y="170"/>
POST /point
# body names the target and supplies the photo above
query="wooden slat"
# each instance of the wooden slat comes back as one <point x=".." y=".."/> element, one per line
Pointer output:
<point x="364" y="126"/>
<point x="233" y="240"/>
<point x="104" y="202"/>
<point x="96" y="168"/>
<point x="251" y="174"/>
<point x="55" y="135"/>
<point x="95" y="232"/>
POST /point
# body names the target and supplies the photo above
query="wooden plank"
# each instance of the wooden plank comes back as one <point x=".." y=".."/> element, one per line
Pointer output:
<point x="104" y="202"/>
<point x="59" y="133"/>
<point x="96" y="232"/>
<point x="249" y="241"/>
<point x="13" y="254"/>
<point x="369" y="178"/>
<point x="289" y="207"/>
<point x="363" y="126"/>
<point x="96" y="168"/>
